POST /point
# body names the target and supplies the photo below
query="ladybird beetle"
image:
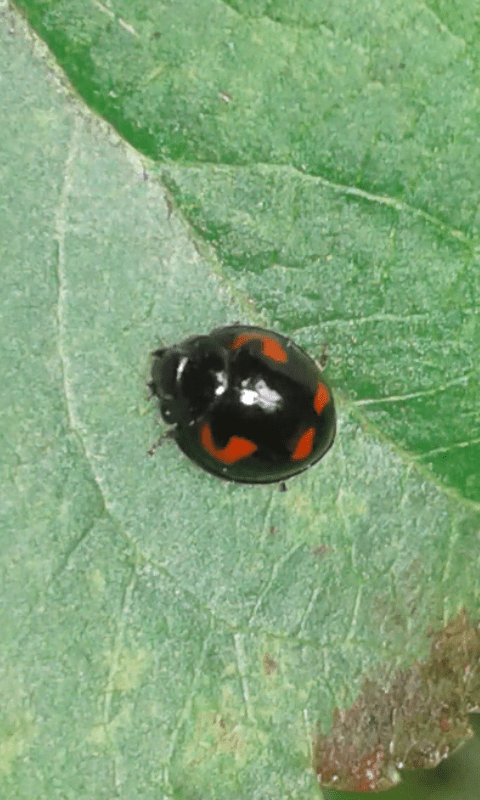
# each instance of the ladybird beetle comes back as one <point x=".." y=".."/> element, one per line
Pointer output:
<point x="247" y="404"/>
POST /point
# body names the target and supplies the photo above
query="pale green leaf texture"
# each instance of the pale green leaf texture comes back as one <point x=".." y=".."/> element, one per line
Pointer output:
<point x="165" y="634"/>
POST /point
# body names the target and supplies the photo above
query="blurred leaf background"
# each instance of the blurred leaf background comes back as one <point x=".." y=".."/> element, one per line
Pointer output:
<point x="321" y="163"/>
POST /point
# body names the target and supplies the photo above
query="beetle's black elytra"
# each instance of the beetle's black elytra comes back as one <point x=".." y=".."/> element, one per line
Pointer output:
<point x="247" y="404"/>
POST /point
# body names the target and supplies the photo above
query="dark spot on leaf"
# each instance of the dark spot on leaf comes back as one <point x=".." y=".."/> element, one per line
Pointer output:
<point x="320" y="550"/>
<point x="269" y="664"/>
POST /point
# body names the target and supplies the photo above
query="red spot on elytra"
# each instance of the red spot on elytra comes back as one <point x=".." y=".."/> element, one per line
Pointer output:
<point x="270" y="347"/>
<point x="322" y="398"/>
<point x="304" y="446"/>
<point x="236" y="448"/>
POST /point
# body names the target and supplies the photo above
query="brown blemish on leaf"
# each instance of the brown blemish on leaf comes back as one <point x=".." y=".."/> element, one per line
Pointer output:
<point x="321" y="550"/>
<point x="413" y="719"/>
<point x="269" y="664"/>
<point x="214" y="735"/>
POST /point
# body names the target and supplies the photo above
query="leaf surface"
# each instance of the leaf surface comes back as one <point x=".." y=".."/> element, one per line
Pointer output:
<point x="164" y="633"/>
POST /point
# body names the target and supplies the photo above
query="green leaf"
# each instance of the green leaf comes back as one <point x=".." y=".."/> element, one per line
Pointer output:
<point x="165" y="634"/>
<point x="335" y="165"/>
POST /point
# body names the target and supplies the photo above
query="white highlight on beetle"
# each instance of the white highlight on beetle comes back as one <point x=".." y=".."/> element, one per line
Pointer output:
<point x="181" y="366"/>
<point x="259" y="395"/>
<point x="222" y="384"/>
